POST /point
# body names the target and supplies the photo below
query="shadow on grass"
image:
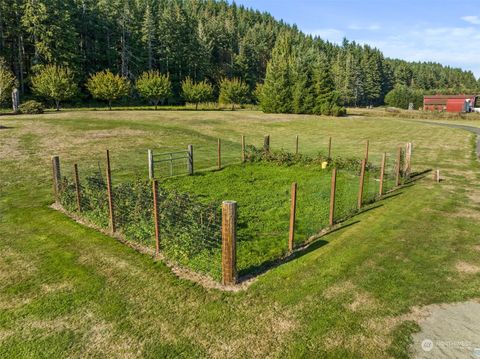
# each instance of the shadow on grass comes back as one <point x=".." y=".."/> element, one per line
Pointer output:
<point x="298" y="252"/>
<point x="5" y="127"/>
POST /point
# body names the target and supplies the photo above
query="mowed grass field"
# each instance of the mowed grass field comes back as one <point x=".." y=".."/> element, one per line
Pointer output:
<point x="69" y="291"/>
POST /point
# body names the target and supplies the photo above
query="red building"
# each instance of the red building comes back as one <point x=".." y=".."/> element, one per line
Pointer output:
<point x="449" y="103"/>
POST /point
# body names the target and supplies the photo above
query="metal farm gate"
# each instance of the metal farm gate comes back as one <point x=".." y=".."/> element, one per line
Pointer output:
<point x="170" y="163"/>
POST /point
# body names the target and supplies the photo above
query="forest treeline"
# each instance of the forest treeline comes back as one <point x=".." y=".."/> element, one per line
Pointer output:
<point x="284" y="69"/>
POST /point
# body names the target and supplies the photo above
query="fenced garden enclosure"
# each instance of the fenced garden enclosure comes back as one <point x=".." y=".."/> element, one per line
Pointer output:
<point x="282" y="201"/>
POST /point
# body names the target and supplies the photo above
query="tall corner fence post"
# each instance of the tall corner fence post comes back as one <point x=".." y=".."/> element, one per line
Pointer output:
<point x="243" y="149"/>
<point x="229" y="242"/>
<point x="329" y="147"/>
<point x="360" y="187"/>
<point x="332" y="197"/>
<point x="398" y="166"/>
<point x="367" y="145"/>
<point x="293" y="209"/>
<point x="77" y="188"/>
<point x="382" y="173"/>
<point x="156" y="216"/>
<point x="266" y="143"/>
<point x="110" y="195"/>
<point x="57" y="177"/>
<point x="219" y="154"/>
<point x="151" y="170"/>
<point x="296" y="145"/>
<point x="190" y="159"/>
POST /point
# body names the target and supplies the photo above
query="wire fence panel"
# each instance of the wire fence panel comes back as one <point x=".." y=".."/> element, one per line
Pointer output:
<point x="371" y="186"/>
<point x="190" y="231"/>
<point x="261" y="241"/>
<point x="346" y="195"/>
<point x="313" y="206"/>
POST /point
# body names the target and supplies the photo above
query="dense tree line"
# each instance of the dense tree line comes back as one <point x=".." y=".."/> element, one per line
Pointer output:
<point x="205" y="40"/>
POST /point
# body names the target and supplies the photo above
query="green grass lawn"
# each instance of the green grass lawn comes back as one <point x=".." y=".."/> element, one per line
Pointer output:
<point x="69" y="291"/>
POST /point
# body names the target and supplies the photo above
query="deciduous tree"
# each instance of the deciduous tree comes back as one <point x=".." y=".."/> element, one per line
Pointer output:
<point x="55" y="83"/>
<point x="104" y="85"/>
<point x="233" y="91"/>
<point x="154" y="86"/>
<point x="196" y="92"/>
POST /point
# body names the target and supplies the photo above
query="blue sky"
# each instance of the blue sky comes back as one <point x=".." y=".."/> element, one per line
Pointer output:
<point x="445" y="31"/>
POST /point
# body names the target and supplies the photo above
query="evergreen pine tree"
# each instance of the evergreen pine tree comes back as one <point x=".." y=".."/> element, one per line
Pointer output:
<point x="277" y="89"/>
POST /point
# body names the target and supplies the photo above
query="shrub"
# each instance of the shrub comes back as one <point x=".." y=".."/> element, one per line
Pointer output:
<point x="154" y="86"/>
<point x="31" y="107"/>
<point x="106" y="86"/>
<point x="284" y="158"/>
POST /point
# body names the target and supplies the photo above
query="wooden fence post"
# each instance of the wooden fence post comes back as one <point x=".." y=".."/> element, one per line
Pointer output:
<point x="332" y="197"/>
<point x="77" y="188"/>
<point x="382" y="173"/>
<point x="57" y="177"/>
<point x="293" y="208"/>
<point x="329" y="147"/>
<point x="219" y="154"/>
<point x="151" y="170"/>
<point x="296" y="145"/>
<point x="110" y="196"/>
<point x="266" y="143"/>
<point x="360" y="187"/>
<point x="367" y="144"/>
<point x="243" y="149"/>
<point x="156" y="216"/>
<point x="229" y="239"/>
<point x="408" y="159"/>
<point x="397" y="167"/>
<point x="190" y="159"/>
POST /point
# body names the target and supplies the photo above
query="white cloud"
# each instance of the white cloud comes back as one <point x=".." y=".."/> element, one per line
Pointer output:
<point x="332" y="35"/>
<point x="447" y="45"/>
<point x="472" y="19"/>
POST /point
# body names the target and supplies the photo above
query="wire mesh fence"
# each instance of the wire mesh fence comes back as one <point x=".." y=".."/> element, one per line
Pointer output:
<point x="190" y="230"/>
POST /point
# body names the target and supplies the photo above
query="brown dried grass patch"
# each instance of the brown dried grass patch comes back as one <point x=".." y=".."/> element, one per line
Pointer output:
<point x="467" y="268"/>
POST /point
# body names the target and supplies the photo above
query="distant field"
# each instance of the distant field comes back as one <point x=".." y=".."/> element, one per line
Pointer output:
<point x="69" y="291"/>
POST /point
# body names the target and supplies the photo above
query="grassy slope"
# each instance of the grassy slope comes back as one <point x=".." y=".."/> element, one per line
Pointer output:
<point x="69" y="291"/>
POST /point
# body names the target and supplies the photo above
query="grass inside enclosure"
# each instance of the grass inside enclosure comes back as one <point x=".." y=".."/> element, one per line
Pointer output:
<point x="263" y="194"/>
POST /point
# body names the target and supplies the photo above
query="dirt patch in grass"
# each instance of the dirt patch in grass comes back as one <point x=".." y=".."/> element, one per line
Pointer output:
<point x="474" y="196"/>
<point x="10" y="148"/>
<point x="11" y="259"/>
<point x="339" y="289"/>
<point x="467" y="268"/>
<point x="254" y="343"/>
<point x="467" y="213"/>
